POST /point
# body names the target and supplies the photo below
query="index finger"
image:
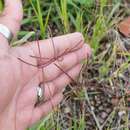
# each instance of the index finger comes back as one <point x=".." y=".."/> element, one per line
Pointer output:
<point x="58" y="45"/>
<point x="50" y="48"/>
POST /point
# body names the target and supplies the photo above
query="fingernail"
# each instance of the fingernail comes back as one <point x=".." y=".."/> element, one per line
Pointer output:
<point x="78" y="34"/>
<point x="78" y="37"/>
<point x="63" y="90"/>
<point x="88" y="50"/>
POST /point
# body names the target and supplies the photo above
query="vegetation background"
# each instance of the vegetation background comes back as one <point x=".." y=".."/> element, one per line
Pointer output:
<point x="101" y="102"/>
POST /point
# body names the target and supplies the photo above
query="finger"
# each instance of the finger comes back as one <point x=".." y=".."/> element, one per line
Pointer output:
<point x="68" y="61"/>
<point x="61" y="44"/>
<point x="29" y="95"/>
<point x="11" y="17"/>
<point x="47" y="107"/>
<point x="52" y="71"/>
<point x="65" y="43"/>
<point x="57" y="85"/>
<point x="58" y="44"/>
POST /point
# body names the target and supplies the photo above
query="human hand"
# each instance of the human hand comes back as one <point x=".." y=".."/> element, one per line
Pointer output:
<point x="19" y="80"/>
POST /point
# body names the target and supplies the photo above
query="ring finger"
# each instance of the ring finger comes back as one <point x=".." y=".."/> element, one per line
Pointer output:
<point x="50" y="88"/>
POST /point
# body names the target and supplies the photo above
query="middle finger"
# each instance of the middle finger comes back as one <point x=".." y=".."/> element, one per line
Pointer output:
<point x="68" y="61"/>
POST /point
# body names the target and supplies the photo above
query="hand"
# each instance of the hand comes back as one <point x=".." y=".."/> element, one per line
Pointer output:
<point x="19" y="80"/>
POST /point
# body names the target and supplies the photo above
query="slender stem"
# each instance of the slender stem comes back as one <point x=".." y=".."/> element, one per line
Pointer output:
<point x="91" y="110"/>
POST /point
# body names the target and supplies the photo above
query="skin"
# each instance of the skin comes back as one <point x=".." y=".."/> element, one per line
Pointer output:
<point x="18" y="81"/>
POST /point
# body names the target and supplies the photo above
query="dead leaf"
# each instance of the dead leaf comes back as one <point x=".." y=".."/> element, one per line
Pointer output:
<point x="124" y="27"/>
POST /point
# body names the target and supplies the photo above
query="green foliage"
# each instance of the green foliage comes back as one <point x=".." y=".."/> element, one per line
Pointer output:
<point x="78" y="22"/>
<point x="87" y="3"/>
<point x="42" y="23"/>
<point x="81" y="123"/>
<point x="1" y="5"/>
<point x="99" y="30"/>
<point x="100" y="27"/>
<point x="62" y="11"/>
<point x="103" y="23"/>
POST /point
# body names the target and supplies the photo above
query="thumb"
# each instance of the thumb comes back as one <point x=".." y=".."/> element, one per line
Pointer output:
<point x="11" y="17"/>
